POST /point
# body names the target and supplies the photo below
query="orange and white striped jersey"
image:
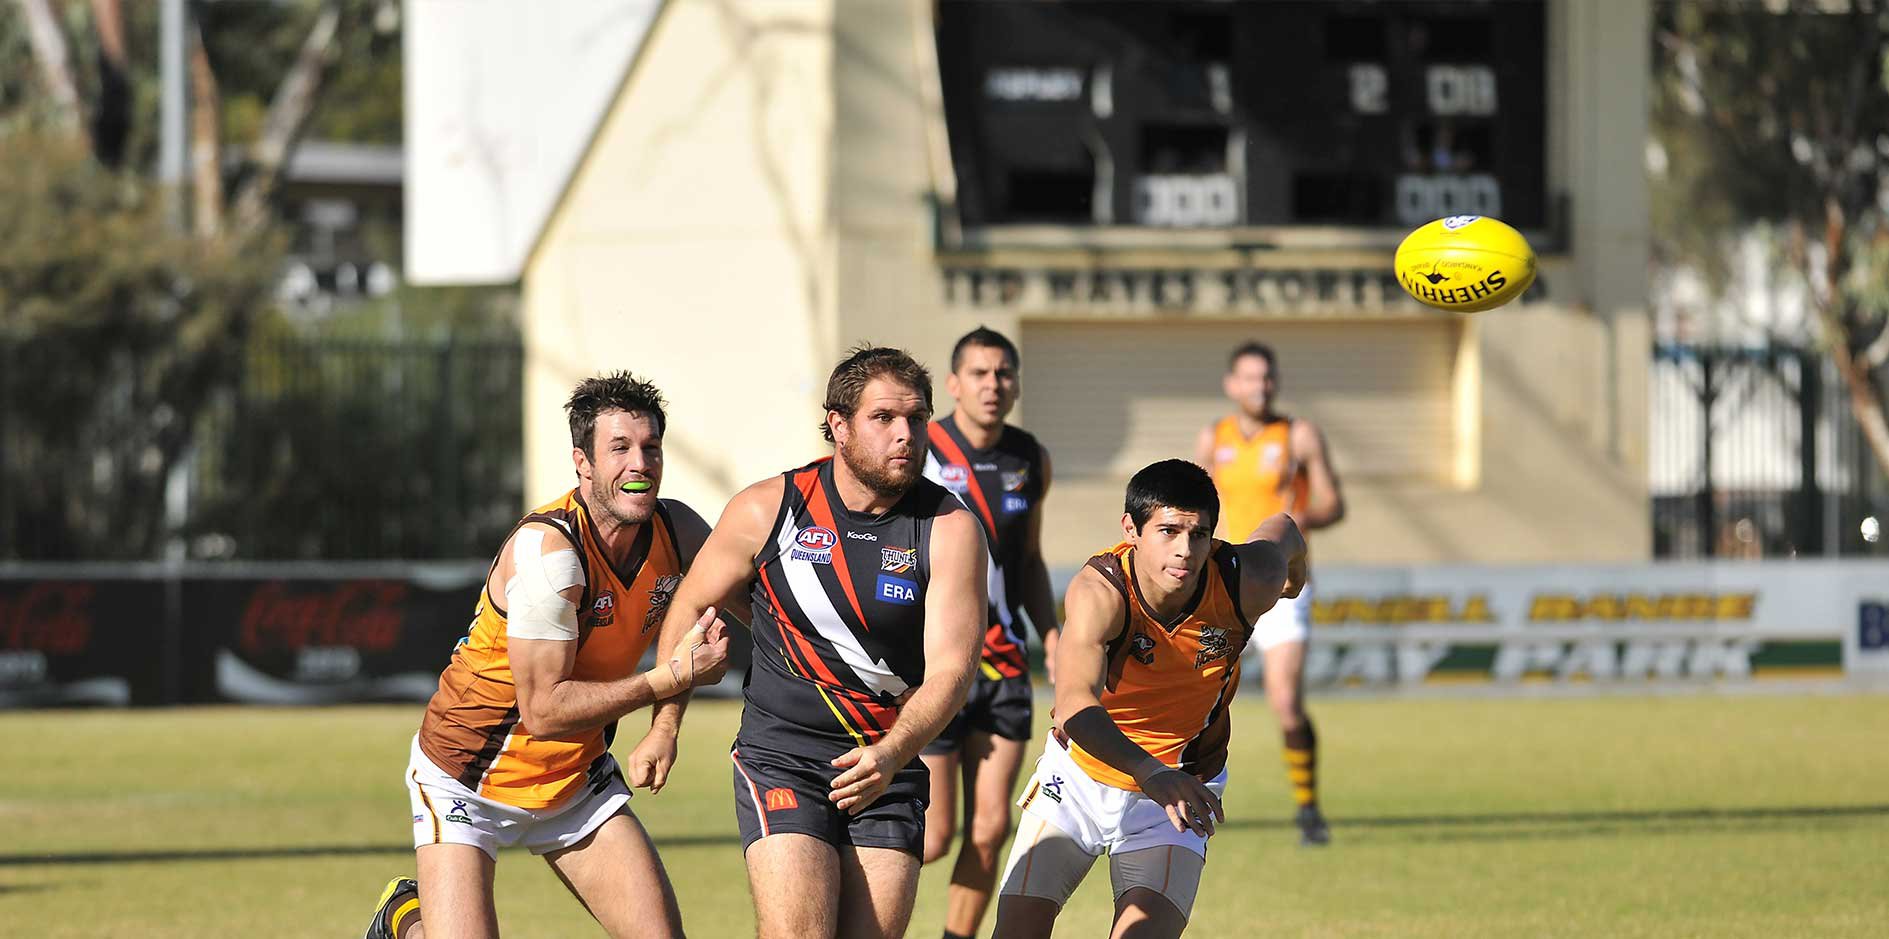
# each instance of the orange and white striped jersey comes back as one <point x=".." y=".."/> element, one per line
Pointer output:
<point x="1170" y="684"/>
<point x="1254" y="475"/>
<point x="471" y="725"/>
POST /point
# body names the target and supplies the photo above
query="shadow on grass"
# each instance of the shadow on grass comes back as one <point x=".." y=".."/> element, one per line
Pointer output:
<point x="284" y="852"/>
<point x="1487" y="827"/>
<point x="1519" y="826"/>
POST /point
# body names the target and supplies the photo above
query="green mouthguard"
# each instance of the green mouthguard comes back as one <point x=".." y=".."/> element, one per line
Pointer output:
<point x="637" y="485"/>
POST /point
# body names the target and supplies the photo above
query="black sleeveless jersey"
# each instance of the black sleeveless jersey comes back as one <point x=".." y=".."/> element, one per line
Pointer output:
<point x="1001" y="486"/>
<point x="839" y="615"/>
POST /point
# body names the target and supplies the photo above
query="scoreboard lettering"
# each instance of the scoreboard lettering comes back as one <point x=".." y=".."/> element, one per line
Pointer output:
<point x="1265" y="113"/>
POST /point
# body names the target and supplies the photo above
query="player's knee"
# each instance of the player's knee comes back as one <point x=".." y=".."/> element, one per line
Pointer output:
<point x="1155" y="912"/>
<point x="1291" y="716"/>
<point x="1287" y="705"/>
<point x="1021" y="917"/>
<point x="938" y="840"/>
<point x="988" y="831"/>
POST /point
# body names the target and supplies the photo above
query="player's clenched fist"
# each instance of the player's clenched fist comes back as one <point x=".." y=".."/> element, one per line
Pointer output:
<point x="869" y="771"/>
<point x="708" y="658"/>
<point x="649" y="763"/>
<point x="1189" y="803"/>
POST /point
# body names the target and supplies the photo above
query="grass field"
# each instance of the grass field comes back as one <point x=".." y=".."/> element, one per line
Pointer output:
<point x="1673" y="816"/>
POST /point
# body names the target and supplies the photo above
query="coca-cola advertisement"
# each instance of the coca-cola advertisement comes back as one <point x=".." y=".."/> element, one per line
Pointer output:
<point x="324" y="640"/>
<point x="83" y="642"/>
<point x="260" y="634"/>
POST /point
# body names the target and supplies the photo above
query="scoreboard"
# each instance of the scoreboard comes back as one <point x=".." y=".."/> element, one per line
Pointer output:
<point x="1231" y="113"/>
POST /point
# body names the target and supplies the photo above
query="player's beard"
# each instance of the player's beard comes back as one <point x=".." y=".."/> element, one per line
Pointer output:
<point x="880" y="476"/>
<point x="603" y="502"/>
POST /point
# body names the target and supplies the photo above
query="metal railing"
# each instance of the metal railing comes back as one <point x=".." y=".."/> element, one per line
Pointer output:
<point x="1754" y="452"/>
<point x="317" y="449"/>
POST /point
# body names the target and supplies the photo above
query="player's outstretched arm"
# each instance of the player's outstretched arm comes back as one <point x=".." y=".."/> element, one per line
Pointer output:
<point x="1273" y="564"/>
<point x="717" y="571"/>
<point x="955" y="604"/>
<point x="1324" y="497"/>
<point x="1093" y="612"/>
<point x="538" y="568"/>
<point x="649" y="762"/>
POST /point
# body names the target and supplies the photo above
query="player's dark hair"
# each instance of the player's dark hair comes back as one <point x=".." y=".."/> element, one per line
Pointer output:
<point x="862" y="364"/>
<point x="617" y="391"/>
<point x="987" y="338"/>
<point x="1253" y="347"/>
<point x="1172" y="484"/>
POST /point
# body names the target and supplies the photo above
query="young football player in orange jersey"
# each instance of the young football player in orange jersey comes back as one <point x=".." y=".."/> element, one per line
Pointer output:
<point x="1146" y="670"/>
<point x="515" y="745"/>
<point x="1263" y="463"/>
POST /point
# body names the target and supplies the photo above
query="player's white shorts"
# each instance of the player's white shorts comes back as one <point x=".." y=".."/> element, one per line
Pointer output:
<point x="1069" y="820"/>
<point x="1289" y="620"/>
<point x="445" y="812"/>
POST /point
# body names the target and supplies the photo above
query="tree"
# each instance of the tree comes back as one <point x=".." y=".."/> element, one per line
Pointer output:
<point x="1773" y="122"/>
<point x="132" y="327"/>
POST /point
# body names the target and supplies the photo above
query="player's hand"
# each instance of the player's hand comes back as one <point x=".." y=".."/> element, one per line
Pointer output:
<point x="1189" y="803"/>
<point x="869" y="772"/>
<point x="708" y="658"/>
<point x="650" y="762"/>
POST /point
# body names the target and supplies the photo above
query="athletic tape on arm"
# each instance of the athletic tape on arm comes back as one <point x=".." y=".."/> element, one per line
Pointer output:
<point x="534" y="608"/>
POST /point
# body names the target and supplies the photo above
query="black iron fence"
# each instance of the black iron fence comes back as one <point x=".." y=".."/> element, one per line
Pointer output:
<point x="307" y="449"/>
<point x="1755" y="453"/>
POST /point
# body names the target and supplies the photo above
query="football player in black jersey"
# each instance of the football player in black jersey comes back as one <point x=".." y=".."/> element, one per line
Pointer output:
<point x="1001" y="473"/>
<point x="868" y="585"/>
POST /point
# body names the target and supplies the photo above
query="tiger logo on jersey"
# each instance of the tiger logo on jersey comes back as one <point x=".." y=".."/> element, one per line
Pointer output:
<point x="1213" y="645"/>
<point x="660" y="594"/>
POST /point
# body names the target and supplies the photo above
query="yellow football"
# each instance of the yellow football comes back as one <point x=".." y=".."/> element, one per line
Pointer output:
<point x="1465" y="264"/>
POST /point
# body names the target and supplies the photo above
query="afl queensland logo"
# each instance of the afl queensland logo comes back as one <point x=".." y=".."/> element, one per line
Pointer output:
<point x="814" y="545"/>
<point x="955" y="478"/>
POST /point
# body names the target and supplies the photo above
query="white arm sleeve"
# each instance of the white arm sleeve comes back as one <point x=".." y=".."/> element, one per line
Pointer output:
<point x="534" y="608"/>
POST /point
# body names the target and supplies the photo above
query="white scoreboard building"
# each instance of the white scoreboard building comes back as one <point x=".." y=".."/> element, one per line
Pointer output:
<point x="723" y="195"/>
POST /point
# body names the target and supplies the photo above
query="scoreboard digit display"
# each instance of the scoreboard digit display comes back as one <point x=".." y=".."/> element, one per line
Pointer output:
<point x="1216" y="114"/>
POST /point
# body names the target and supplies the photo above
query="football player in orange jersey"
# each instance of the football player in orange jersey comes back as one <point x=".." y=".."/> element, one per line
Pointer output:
<point x="1264" y="462"/>
<point x="1147" y="667"/>
<point x="515" y="745"/>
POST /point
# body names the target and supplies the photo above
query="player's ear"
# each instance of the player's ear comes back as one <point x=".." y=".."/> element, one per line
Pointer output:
<point x="836" y="425"/>
<point x="580" y="462"/>
<point x="952" y="384"/>
<point x="1128" y="527"/>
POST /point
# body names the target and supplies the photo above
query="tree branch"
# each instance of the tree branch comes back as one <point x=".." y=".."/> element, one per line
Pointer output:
<point x="55" y="68"/>
<point x="288" y="115"/>
<point x="1865" y="398"/>
<point x="206" y="141"/>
